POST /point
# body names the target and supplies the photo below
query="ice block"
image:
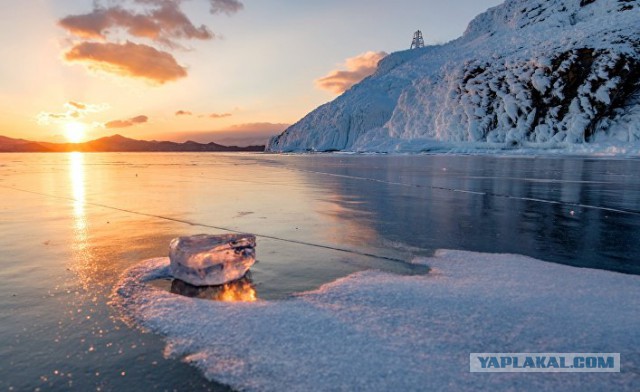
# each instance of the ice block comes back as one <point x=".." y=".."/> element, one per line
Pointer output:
<point x="209" y="260"/>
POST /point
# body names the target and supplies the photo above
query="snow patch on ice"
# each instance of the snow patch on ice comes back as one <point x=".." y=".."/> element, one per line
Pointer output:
<point x="376" y="331"/>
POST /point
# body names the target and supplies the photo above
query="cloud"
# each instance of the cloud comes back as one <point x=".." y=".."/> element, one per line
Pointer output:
<point x="212" y="115"/>
<point x="219" y="115"/>
<point x="126" y="123"/>
<point x="74" y="111"/>
<point x="226" y="6"/>
<point x="129" y="59"/>
<point x="358" y="68"/>
<point x="77" y="105"/>
<point x="163" y="23"/>
<point x="99" y="35"/>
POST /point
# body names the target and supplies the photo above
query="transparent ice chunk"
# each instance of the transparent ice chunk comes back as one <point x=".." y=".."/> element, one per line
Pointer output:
<point x="209" y="260"/>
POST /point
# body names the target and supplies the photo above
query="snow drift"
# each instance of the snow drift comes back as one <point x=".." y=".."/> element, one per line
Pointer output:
<point x="376" y="331"/>
<point x="532" y="73"/>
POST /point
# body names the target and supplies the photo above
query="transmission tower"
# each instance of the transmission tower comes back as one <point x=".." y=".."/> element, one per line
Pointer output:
<point x="418" y="41"/>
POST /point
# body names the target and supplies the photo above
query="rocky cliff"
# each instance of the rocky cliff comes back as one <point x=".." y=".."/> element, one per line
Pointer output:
<point x="530" y="73"/>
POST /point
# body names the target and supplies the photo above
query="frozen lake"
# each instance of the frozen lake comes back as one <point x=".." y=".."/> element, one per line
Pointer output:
<point x="72" y="223"/>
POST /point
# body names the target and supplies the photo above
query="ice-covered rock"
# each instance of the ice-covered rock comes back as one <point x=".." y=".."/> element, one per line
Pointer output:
<point x="209" y="260"/>
<point x="531" y="73"/>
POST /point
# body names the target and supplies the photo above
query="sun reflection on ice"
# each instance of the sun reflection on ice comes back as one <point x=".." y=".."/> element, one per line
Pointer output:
<point x="83" y="265"/>
<point x="242" y="290"/>
<point x="76" y="174"/>
<point x="239" y="292"/>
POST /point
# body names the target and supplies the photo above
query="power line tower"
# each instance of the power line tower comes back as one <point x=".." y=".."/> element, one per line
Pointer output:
<point x="418" y="41"/>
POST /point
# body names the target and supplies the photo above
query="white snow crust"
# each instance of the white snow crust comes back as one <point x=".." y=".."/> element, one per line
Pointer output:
<point x="379" y="332"/>
<point x="528" y="73"/>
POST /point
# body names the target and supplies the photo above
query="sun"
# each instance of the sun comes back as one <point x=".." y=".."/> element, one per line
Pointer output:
<point x="74" y="131"/>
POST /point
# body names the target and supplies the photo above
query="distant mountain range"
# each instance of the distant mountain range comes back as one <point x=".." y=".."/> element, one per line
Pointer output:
<point x="116" y="143"/>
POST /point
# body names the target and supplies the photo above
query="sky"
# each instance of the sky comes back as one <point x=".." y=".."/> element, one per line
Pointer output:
<point x="229" y="71"/>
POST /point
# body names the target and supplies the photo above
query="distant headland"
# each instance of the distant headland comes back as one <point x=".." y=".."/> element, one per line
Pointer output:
<point x="117" y="143"/>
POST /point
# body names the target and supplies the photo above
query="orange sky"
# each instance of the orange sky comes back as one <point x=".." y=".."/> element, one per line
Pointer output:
<point x="177" y="69"/>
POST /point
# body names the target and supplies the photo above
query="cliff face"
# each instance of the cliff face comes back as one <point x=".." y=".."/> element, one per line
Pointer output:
<point x="526" y="73"/>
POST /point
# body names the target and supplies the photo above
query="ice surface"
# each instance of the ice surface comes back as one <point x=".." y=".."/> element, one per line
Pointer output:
<point x="379" y="332"/>
<point x="208" y="260"/>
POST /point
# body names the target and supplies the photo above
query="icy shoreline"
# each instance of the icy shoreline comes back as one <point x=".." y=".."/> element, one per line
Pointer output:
<point x="377" y="331"/>
<point x="485" y="148"/>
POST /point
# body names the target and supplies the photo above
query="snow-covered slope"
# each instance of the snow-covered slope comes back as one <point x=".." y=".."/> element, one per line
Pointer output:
<point x="525" y="73"/>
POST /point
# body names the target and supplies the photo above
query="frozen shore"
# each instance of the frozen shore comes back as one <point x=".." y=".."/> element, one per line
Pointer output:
<point x="378" y="331"/>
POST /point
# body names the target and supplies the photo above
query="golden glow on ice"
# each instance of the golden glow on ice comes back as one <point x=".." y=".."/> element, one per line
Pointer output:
<point x="238" y="291"/>
<point x="76" y="173"/>
<point x="241" y="290"/>
<point x="84" y="265"/>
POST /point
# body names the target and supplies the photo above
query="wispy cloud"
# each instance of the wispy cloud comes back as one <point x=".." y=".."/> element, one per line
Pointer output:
<point x="73" y="111"/>
<point x="126" y="123"/>
<point x="219" y="115"/>
<point x="357" y="68"/>
<point x="212" y="115"/>
<point x="225" y="6"/>
<point x="77" y="105"/>
<point x="129" y="59"/>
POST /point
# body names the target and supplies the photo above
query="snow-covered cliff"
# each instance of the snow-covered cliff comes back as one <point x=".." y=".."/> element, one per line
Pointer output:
<point x="525" y="73"/>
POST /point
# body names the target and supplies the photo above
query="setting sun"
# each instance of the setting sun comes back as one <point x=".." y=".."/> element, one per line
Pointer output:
<point x="75" y="131"/>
